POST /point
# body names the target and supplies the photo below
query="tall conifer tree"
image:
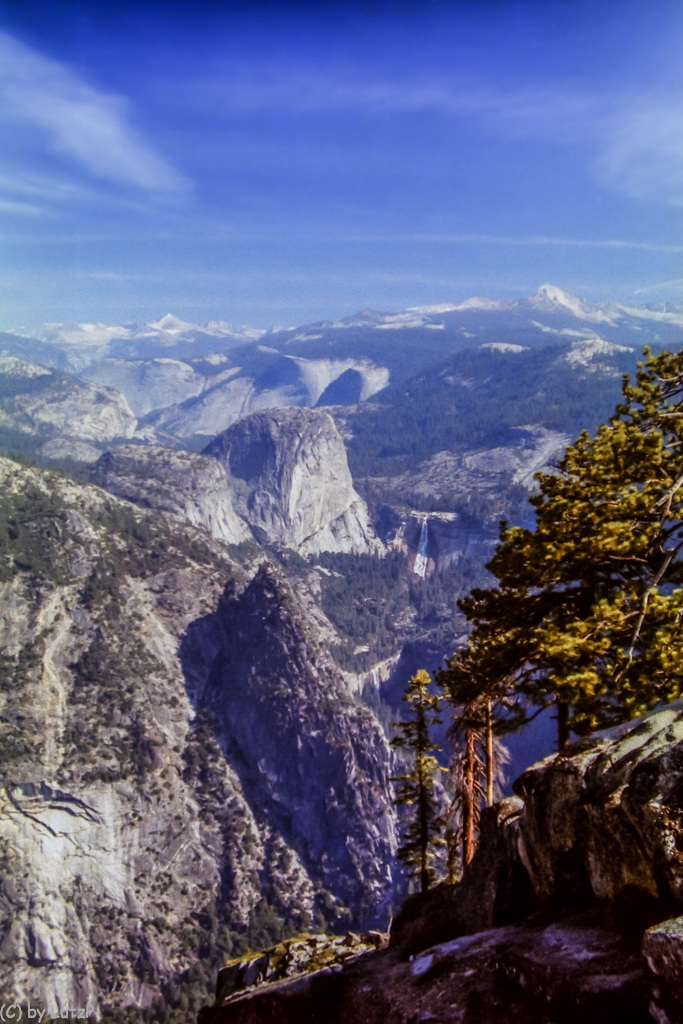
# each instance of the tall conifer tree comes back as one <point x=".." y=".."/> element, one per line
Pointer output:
<point x="588" y="612"/>
<point x="417" y="784"/>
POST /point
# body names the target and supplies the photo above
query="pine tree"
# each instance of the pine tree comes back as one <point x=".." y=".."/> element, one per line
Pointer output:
<point x="418" y="783"/>
<point x="588" y="612"/>
<point x="477" y="757"/>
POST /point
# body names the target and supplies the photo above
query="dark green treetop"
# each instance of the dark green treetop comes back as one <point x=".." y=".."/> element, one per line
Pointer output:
<point x="417" y="784"/>
<point x="587" y="610"/>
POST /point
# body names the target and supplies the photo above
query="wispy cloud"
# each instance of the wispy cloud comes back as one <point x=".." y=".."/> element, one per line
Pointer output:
<point x="631" y="140"/>
<point x="77" y="120"/>
<point x="642" y="149"/>
<point x="23" y="209"/>
<point x="541" y="241"/>
<point x="660" y="286"/>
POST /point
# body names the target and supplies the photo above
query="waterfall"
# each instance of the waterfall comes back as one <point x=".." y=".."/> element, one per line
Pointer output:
<point x="420" y="566"/>
<point x="375" y="678"/>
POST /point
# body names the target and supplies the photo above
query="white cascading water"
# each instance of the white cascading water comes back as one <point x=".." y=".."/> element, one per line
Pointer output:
<point x="375" y="678"/>
<point x="420" y="566"/>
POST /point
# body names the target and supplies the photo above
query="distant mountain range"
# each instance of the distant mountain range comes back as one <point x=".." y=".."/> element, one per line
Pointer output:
<point x="189" y="382"/>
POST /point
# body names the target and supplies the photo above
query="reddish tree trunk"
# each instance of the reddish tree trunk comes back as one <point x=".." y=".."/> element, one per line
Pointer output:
<point x="469" y="797"/>
<point x="424" y="832"/>
<point x="489" y="755"/>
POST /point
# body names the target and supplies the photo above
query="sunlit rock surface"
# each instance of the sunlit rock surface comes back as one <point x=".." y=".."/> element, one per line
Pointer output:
<point x="289" y="478"/>
<point x="189" y="486"/>
<point x="145" y="812"/>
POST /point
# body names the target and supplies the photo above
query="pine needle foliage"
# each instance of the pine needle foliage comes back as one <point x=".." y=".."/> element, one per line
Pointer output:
<point x="417" y="785"/>
<point x="588" y="611"/>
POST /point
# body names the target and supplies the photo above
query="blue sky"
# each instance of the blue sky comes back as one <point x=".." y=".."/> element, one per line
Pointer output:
<point x="274" y="164"/>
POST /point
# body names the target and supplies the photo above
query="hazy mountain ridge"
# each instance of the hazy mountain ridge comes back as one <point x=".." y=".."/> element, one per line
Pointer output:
<point x="40" y="407"/>
<point x="194" y="382"/>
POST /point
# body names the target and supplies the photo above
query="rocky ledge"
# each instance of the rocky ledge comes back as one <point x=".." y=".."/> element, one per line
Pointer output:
<point x="570" y="913"/>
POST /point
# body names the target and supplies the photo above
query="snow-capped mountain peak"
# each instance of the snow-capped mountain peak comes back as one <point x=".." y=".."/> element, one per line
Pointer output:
<point x="172" y="323"/>
<point x="549" y="295"/>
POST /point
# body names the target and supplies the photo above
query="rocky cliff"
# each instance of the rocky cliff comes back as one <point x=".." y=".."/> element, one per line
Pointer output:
<point x="189" y="486"/>
<point x="136" y="781"/>
<point x="310" y="757"/>
<point x="290" y="480"/>
<point x="44" y="405"/>
<point x="151" y="383"/>
<point x="568" y="914"/>
<point x="434" y="541"/>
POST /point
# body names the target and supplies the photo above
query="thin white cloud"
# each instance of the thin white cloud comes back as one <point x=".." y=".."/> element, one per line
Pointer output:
<point x="660" y="286"/>
<point x="642" y="150"/>
<point x="77" y="120"/>
<point x="518" y="240"/>
<point x="632" y="141"/>
<point x="22" y="209"/>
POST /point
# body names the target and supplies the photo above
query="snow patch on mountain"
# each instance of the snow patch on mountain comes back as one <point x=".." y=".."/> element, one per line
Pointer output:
<point x="549" y="295"/>
<point x="504" y="346"/>
<point x="172" y="324"/>
<point x="565" y="332"/>
<point x="584" y="353"/>
<point x="480" y="303"/>
<point x="443" y="307"/>
<point x="86" y="343"/>
<point x="664" y="315"/>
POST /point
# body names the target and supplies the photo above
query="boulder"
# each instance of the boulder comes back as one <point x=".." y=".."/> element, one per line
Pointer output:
<point x="603" y="817"/>
<point x="663" y="951"/>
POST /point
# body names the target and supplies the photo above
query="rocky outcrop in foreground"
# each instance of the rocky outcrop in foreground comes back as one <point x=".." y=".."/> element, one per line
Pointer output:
<point x="569" y="913"/>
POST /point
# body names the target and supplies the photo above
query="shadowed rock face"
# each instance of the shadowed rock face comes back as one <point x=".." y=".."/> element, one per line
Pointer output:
<point x="289" y="478"/>
<point x="563" y="917"/>
<point x="314" y="762"/>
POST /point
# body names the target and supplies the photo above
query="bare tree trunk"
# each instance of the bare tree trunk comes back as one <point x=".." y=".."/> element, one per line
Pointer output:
<point x="424" y="832"/>
<point x="489" y="755"/>
<point x="562" y="724"/>
<point x="468" y="799"/>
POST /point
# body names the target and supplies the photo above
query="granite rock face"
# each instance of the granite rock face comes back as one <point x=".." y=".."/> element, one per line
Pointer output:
<point x="605" y="816"/>
<point x="313" y="760"/>
<point x="290" y="480"/>
<point x="190" y="487"/>
<point x="151" y="383"/>
<point x="42" y="403"/>
<point x="141" y="816"/>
